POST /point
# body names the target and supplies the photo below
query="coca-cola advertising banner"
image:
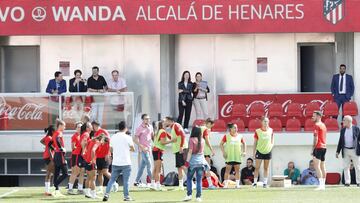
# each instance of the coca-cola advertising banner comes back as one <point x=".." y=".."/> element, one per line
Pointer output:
<point x="27" y="113"/>
<point x="59" y="17"/>
<point x="226" y="102"/>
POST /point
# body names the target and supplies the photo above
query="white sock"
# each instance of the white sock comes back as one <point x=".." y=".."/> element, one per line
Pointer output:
<point x="80" y="187"/>
<point x="209" y="181"/>
<point x="226" y="183"/>
<point x="158" y="184"/>
<point x="152" y="183"/>
<point x="237" y="182"/>
<point x="255" y="180"/>
<point x="181" y="183"/>
<point x="101" y="188"/>
<point x="71" y="186"/>
<point x="265" y="180"/>
<point x="47" y="187"/>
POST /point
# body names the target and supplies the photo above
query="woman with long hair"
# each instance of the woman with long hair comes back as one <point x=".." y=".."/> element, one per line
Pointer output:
<point x="200" y="91"/>
<point x="161" y="139"/>
<point x="185" y="89"/>
<point x="263" y="144"/>
<point x="48" y="157"/>
<point x="196" y="163"/>
<point x="59" y="157"/>
<point x="76" y="162"/>
<point x="233" y="148"/>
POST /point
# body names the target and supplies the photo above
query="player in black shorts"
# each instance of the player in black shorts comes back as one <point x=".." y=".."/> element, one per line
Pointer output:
<point x="48" y="157"/>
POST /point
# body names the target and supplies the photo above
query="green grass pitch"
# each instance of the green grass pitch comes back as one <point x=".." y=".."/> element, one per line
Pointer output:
<point x="338" y="194"/>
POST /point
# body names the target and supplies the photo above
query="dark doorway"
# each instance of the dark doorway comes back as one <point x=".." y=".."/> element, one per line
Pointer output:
<point x="317" y="62"/>
<point x="20" y="69"/>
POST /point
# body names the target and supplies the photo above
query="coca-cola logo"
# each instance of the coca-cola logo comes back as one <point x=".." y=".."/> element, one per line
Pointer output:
<point x="226" y="109"/>
<point x="28" y="111"/>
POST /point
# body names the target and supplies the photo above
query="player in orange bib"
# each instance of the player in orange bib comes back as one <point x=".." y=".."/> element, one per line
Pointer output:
<point x="319" y="149"/>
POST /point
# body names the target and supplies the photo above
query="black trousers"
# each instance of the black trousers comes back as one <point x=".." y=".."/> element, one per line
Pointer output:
<point x="60" y="165"/>
<point x="187" y="110"/>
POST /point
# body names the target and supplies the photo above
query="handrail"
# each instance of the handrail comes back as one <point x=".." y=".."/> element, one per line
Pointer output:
<point x="31" y="94"/>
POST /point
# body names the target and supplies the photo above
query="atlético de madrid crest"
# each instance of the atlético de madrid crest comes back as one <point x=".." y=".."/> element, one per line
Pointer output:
<point x="334" y="10"/>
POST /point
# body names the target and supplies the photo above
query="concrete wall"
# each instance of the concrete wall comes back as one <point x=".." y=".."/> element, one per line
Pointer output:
<point x="228" y="62"/>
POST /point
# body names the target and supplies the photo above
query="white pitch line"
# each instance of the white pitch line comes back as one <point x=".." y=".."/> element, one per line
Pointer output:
<point x="9" y="193"/>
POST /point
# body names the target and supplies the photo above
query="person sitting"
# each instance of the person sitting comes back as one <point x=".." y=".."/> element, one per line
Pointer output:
<point x="213" y="168"/>
<point x="308" y="176"/>
<point x="57" y="85"/>
<point x="247" y="173"/>
<point x="292" y="173"/>
<point x="231" y="175"/>
<point x="352" y="175"/>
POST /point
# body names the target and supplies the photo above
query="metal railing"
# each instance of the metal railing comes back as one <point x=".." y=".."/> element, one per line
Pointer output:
<point x="35" y="111"/>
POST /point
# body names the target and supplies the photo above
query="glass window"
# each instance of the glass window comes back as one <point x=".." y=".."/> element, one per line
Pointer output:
<point x="38" y="166"/>
<point x="2" y="166"/>
<point x="17" y="166"/>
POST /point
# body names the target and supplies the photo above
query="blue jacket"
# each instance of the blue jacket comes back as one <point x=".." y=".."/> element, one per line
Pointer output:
<point x="349" y="86"/>
<point x="52" y="86"/>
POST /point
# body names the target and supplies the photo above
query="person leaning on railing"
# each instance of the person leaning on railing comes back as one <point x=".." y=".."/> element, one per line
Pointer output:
<point x="77" y="84"/>
<point x="56" y="85"/>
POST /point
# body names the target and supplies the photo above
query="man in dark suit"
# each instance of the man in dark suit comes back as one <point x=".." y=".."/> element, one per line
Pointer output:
<point x="349" y="145"/>
<point x="342" y="86"/>
<point x="57" y="85"/>
<point x="77" y="84"/>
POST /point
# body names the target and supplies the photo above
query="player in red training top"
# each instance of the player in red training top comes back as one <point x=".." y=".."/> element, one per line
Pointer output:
<point x="102" y="155"/>
<point x="76" y="161"/>
<point x="48" y="156"/>
<point x="59" y="157"/>
<point x="319" y="148"/>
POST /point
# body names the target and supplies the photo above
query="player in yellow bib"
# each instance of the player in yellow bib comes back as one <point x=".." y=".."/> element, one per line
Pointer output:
<point x="263" y="144"/>
<point x="178" y="135"/>
<point x="233" y="148"/>
<point x="161" y="139"/>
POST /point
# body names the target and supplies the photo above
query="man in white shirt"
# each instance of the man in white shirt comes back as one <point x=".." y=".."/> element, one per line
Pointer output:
<point x="117" y="84"/>
<point x="349" y="145"/>
<point x="121" y="146"/>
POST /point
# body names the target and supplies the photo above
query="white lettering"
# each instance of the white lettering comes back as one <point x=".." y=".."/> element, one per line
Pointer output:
<point x="298" y="9"/>
<point x="191" y="12"/>
<point x="100" y="13"/>
<point x="60" y="12"/>
<point x="19" y="18"/>
<point x="76" y="14"/>
<point x="104" y="13"/>
<point x="90" y="14"/>
<point x="243" y="12"/>
<point x="207" y="12"/>
<point x="232" y="12"/>
<point x="171" y="13"/>
<point x="158" y="13"/>
<point x="141" y="14"/>
<point x="218" y="12"/>
<point x="118" y="14"/>
<point x="3" y="15"/>
<point x="226" y="109"/>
